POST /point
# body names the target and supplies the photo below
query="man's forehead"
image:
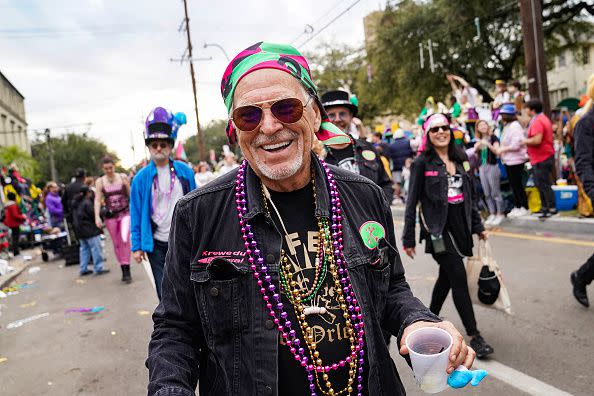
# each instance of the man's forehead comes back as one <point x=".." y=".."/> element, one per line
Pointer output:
<point x="266" y="84"/>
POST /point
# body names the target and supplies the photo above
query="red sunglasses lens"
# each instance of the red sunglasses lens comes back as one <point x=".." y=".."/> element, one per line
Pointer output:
<point x="288" y="110"/>
<point x="247" y="118"/>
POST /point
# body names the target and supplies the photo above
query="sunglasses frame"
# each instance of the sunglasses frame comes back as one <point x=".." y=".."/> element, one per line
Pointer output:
<point x="445" y="128"/>
<point x="156" y="145"/>
<point x="272" y="103"/>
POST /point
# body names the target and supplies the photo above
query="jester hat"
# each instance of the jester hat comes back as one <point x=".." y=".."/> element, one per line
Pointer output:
<point x="281" y="57"/>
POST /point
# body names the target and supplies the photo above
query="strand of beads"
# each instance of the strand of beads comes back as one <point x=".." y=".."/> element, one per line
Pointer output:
<point x="272" y="298"/>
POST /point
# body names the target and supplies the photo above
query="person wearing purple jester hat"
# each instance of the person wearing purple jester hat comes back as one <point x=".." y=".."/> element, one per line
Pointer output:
<point x="155" y="190"/>
<point x="282" y="273"/>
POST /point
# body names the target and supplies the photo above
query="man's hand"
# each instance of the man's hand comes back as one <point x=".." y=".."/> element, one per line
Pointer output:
<point x="460" y="354"/>
<point x="138" y="256"/>
<point x="410" y="252"/>
<point x="98" y="223"/>
<point x="483" y="236"/>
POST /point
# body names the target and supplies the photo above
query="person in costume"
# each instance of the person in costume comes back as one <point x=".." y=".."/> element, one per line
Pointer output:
<point x="155" y="190"/>
<point x="282" y="273"/>
<point x="448" y="216"/>
<point x="358" y="155"/>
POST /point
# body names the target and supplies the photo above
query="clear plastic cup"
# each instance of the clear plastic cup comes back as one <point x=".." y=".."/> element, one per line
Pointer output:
<point x="429" y="351"/>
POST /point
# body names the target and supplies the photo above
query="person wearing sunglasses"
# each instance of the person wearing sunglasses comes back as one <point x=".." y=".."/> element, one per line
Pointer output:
<point x="155" y="190"/>
<point x="439" y="182"/>
<point x="360" y="156"/>
<point x="282" y="273"/>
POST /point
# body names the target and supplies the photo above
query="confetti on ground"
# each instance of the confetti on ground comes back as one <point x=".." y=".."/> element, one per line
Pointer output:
<point x="19" y="323"/>
<point x="3" y="359"/>
<point x="113" y="333"/>
<point x="15" y="288"/>
<point x="81" y="281"/>
<point x="85" y="310"/>
<point x="143" y="312"/>
<point x="28" y="305"/>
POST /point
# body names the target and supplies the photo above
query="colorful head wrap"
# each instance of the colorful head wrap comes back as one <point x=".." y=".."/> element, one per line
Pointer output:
<point x="281" y="57"/>
<point x="430" y="122"/>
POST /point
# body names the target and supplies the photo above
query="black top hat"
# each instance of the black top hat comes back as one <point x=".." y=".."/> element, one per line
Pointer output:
<point x="339" y="98"/>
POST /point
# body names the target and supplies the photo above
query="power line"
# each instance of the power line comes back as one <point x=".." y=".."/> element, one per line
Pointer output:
<point x="309" y="28"/>
<point x="328" y="24"/>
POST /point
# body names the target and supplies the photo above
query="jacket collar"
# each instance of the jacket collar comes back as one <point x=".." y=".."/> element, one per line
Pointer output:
<point x="254" y="192"/>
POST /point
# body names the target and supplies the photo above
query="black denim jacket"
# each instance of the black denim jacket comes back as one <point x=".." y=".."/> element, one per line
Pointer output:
<point x="429" y="186"/>
<point x="373" y="169"/>
<point x="212" y="326"/>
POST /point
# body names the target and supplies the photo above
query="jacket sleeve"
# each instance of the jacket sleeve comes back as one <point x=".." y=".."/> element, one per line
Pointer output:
<point x="174" y="349"/>
<point x="135" y="214"/>
<point x="584" y="152"/>
<point x="414" y="193"/>
<point x="402" y="307"/>
<point x="384" y="181"/>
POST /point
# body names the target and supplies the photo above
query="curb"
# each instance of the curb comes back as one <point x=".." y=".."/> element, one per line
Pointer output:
<point x="14" y="275"/>
<point x="560" y="225"/>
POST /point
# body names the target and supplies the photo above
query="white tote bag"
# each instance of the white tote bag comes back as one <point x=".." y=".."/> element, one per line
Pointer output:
<point x="473" y="270"/>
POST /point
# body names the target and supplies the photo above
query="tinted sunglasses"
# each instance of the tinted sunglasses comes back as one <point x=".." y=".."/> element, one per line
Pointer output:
<point x="287" y="111"/>
<point x="436" y="129"/>
<point x="156" y="145"/>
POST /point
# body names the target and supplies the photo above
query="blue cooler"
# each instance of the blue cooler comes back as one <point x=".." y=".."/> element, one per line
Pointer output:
<point x="566" y="197"/>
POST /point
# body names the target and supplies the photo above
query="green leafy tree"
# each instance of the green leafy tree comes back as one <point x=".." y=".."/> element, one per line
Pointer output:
<point x="400" y="84"/>
<point x="214" y="139"/>
<point x="71" y="151"/>
<point x="28" y="166"/>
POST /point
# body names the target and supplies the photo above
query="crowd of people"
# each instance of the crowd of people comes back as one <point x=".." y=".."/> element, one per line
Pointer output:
<point x="305" y="211"/>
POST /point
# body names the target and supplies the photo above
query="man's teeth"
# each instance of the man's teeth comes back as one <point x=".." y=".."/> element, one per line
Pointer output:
<point x="276" y="146"/>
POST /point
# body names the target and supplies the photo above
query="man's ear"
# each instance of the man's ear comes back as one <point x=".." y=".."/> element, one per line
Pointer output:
<point x="317" y="118"/>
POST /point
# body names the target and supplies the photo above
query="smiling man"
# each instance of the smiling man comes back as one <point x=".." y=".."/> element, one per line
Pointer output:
<point x="281" y="274"/>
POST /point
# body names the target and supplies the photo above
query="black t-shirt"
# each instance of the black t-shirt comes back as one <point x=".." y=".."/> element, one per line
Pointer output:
<point x="345" y="158"/>
<point x="297" y="211"/>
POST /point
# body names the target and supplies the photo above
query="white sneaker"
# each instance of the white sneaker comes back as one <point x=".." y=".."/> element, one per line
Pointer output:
<point x="489" y="220"/>
<point x="513" y="213"/>
<point x="523" y="212"/>
<point x="498" y="219"/>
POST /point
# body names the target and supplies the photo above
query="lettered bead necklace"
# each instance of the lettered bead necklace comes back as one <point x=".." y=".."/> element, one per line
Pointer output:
<point x="271" y="295"/>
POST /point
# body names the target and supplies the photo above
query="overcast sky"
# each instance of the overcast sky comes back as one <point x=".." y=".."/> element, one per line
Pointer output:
<point x="107" y="61"/>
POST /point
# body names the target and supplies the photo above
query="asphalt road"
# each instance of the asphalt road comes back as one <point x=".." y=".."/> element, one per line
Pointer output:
<point x="549" y="337"/>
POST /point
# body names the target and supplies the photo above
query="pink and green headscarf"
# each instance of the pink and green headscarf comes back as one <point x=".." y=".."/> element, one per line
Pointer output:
<point x="281" y="57"/>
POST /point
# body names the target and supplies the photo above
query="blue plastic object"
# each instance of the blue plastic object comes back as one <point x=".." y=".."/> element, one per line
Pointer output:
<point x="462" y="377"/>
<point x="566" y="197"/>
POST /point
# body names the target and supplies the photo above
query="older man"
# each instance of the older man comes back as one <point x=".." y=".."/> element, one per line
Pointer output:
<point x="155" y="191"/>
<point x="358" y="156"/>
<point x="281" y="274"/>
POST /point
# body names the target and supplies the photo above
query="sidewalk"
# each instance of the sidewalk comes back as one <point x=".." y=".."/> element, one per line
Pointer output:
<point x="558" y="224"/>
<point x="19" y="265"/>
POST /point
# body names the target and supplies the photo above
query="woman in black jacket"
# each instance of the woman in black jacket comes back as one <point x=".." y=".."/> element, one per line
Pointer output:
<point x="448" y="217"/>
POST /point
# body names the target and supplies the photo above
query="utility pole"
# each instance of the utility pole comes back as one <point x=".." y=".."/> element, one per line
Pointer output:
<point x="535" y="61"/>
<point x="199" y="136"/>
<point x="51" y="155"/>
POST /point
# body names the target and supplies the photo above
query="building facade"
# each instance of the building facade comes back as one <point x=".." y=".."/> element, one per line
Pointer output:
<point x="570" y="72"/>
<point x="13" y="123"/>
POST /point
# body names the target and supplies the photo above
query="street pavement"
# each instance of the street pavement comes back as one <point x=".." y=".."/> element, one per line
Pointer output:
<point x="548" y="340"/>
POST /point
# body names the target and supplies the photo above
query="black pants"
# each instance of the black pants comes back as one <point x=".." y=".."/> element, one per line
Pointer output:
<point x="515" y="174"/>
<point x="586" y="271"/>
<point x="543" y="172"/>
<point x="452" y="275"/>
<point x="15" y="234"/>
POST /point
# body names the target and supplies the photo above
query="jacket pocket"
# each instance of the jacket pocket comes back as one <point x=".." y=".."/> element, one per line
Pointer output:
<point x="221" y="298"/>
<point x="433" y="188"/>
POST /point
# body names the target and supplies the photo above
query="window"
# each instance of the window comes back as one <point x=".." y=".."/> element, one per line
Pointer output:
<point x="561" y="61"/>
<point x="585" y="56"/>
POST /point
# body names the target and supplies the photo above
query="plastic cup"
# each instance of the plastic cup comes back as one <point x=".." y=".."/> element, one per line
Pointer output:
<point x="429" y="351"/>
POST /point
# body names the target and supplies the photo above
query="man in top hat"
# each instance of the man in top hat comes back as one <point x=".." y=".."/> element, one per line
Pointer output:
<point x="359" y="156"/>
<point x="155" y="190"/>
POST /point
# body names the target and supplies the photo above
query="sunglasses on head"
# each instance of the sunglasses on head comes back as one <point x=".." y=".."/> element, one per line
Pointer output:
<point x="156" y="145"/>
<point x="342" y="115"/>
<point x="288" y="111"/>
<point x="438" y="128"/>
